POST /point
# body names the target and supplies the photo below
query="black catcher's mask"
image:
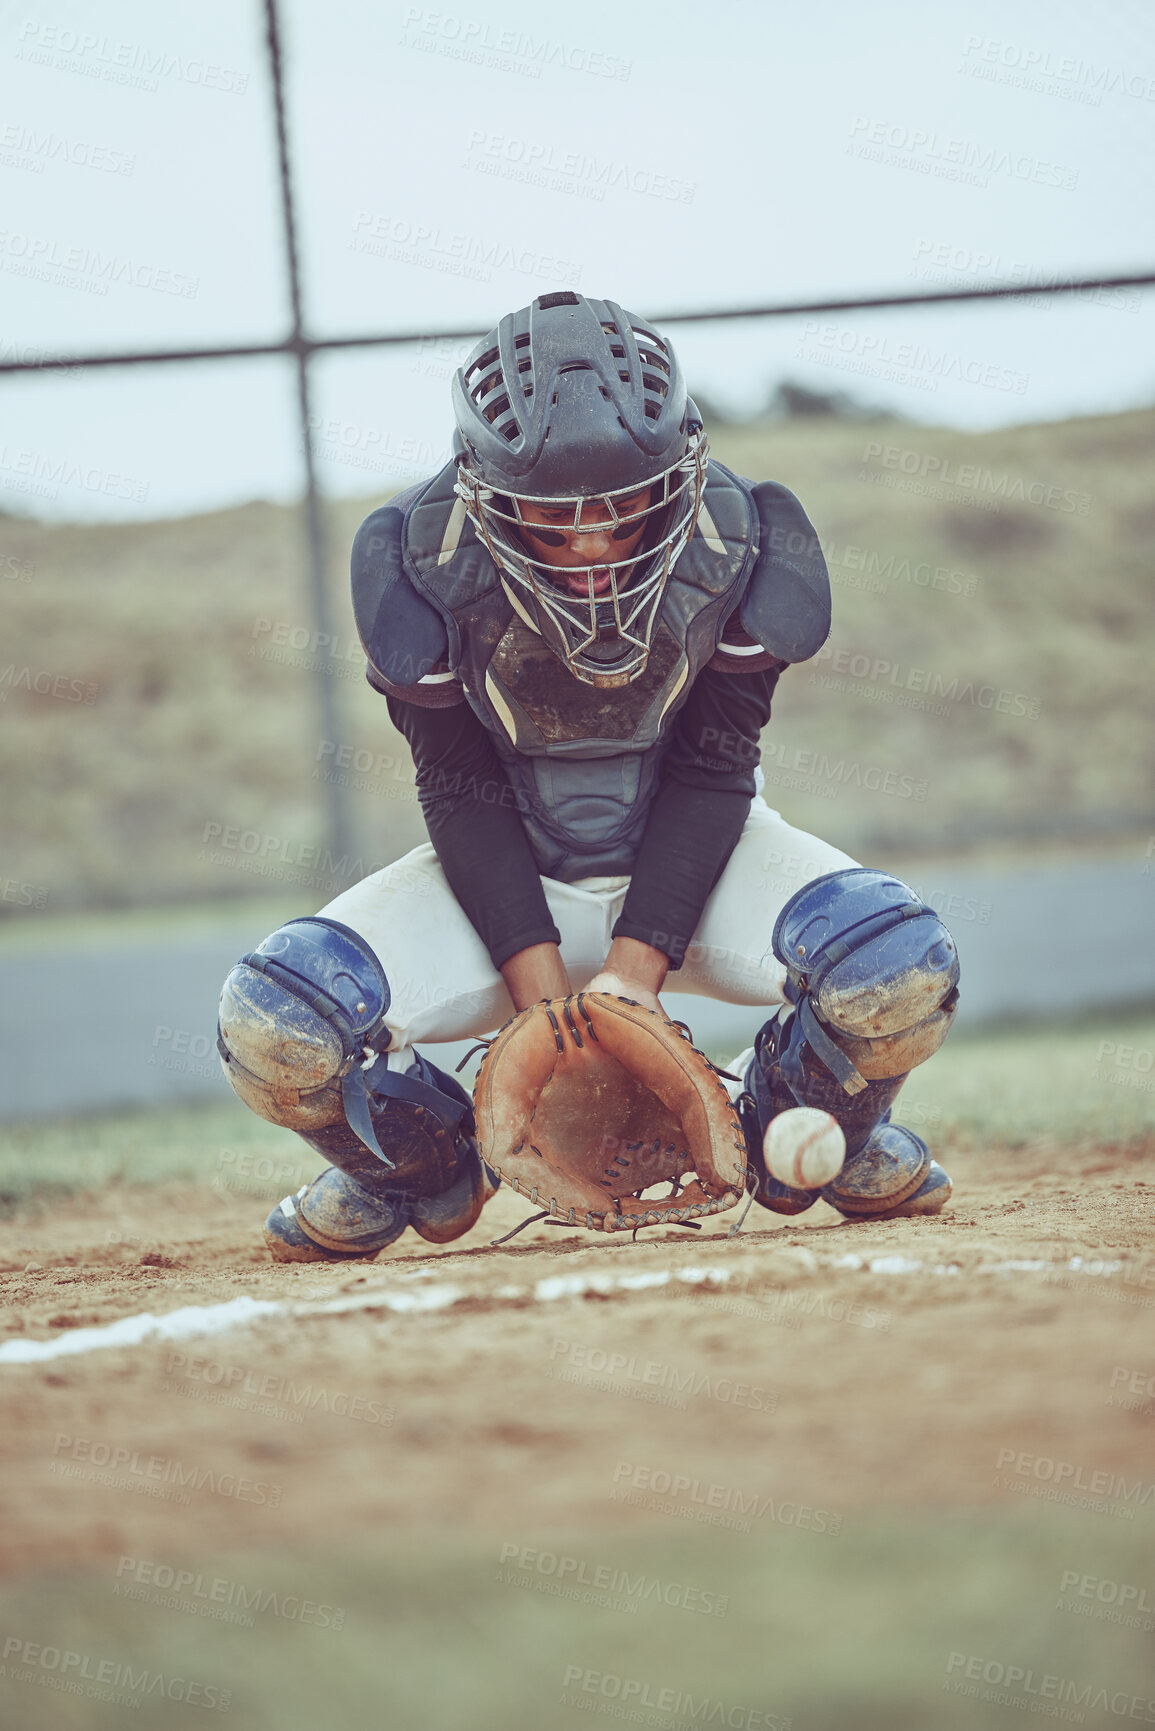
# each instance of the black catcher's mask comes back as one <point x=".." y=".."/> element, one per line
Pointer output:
<point x="578" y="406"/>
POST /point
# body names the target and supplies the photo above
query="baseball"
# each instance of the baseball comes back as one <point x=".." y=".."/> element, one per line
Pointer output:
<point x="804" y="1147"/>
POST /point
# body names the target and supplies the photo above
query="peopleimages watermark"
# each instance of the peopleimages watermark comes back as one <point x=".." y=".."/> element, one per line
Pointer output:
<point x="403" y="241"/>
<point x="1140" y="1387"/>
<point x="14" y="892"/>
<point x="1038" y="69"/>
<point x="157" y="1476"/>
<point x="363" y="771"/>
<point x="575" y="1361"/>
<point x="117" y="1682"/>
<point x="803" y="770"/>
<point x="1119" y="1280"/>
<point x="924" y="688"/>
<point x="619" y="1697"/>
<point x="800" y="770"/>
<point x="540" y="162"/>
<point x="284" y="859"/>
<point x="128" y="63"/>
<point x="878" y="355"/>
<point x="153" y="1257"/>
<point x="943" y="262"/>
<point x="146" y="1581"/>
<point x="44" y="683"/>
<point x="1061" y="1481"/>
<point x="1125" y="1066"/>
<point x="945" y="472"/>
<point x="953" y="906"/>
<point x="1105" y="1601"/>
<point x="372" y="448"/>
<point x="22" y="146"/>
<point x="481" y="44"/>
<point x="16" y="570"/>
<point x="603" y="1584"/>
<point x="872" y="571"/>
<point x="49" y="364"/>
<point x="925" y="151"/>
<point x="241" y="1172"/>
<point x="80" y="267"/>
<point x="306" y="864"/>
<point x="239" y="1385"/>
<point x="307" y="650"/>
<point x="43" y="476"/>
<point x="183" y="1051"/>
<point x="438" y="357"/>
<point x="715" y="1505"/>
<point x="875" y="568"/>
<point x="786" y="1306"/>
<point x="1021" y="1686"/>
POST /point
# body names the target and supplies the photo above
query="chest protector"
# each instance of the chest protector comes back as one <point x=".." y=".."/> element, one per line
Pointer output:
<point x="584" y="762"/>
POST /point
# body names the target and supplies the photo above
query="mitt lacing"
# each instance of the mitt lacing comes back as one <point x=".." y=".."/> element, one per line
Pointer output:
<point x="547" y="1215"/>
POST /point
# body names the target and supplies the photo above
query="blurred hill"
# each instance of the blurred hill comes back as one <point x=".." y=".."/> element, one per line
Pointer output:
<point x="989" y="671"/>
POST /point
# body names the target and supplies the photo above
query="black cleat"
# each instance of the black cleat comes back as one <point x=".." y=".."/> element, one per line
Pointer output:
<point x="891" y="1178"/>
<point x="333" y="1219"/>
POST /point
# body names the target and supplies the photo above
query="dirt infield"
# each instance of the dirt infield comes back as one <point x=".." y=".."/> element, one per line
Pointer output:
<point x="586" y="1380"/>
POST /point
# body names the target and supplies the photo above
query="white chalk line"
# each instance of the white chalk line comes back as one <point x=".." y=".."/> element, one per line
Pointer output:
<point x="200" y="1319"/>
<point x="133" y="1330"/>
<point x="203" y="1319"/>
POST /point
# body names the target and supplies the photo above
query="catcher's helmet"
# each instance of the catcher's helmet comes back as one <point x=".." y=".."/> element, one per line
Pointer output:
<point x="571" y="401"/>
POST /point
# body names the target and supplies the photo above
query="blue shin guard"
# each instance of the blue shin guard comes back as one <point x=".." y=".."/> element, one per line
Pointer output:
<point x="872" y="975"/>
<point x="303" y="1040"/>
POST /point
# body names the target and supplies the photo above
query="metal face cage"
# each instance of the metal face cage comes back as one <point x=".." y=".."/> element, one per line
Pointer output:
<point x="604" y="638"/>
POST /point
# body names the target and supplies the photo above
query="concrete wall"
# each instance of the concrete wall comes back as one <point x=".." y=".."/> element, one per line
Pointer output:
<point x="98" y="1026"/>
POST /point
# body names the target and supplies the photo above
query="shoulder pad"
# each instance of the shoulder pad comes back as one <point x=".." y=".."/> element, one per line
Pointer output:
<point x="403" y="635"/>
<point x="786" y="607"/>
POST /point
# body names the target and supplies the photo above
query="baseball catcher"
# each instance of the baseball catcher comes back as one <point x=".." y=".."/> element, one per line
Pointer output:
<point x="578" y="625"/>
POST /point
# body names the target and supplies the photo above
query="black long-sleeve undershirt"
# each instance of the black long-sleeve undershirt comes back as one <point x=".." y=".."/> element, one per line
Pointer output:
<point x="700" y="808"/>
<point x="471" y="812"/>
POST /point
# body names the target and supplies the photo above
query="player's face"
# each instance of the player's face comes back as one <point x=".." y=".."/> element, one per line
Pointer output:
<point x="565" y="547"/>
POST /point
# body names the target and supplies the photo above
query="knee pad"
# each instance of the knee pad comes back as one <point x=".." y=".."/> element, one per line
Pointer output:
<point x="296" y="1016"/>
<point x="303" y="1039"/>
<point x="873" y="971"/>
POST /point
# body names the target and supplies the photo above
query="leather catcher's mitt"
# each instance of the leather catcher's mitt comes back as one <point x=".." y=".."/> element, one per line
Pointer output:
<point x="585" y="1103"/>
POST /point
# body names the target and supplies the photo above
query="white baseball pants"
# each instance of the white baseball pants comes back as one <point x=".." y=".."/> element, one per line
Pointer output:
<point x="444" y="986"/>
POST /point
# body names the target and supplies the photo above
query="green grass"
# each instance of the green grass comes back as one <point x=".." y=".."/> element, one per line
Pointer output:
<point x="1010" y="1086"/>
<point x="190" y="726"/>
<point x="225" y="1147"/>
<point x="826" y="1633"/>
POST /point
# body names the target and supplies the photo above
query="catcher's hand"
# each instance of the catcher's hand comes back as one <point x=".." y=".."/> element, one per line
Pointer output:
<point x="584" y="1103"/>
<point x="619" y="988"/>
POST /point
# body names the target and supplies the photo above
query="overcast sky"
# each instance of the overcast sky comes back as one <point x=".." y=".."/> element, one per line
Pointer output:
<point x="452" y="165"/>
